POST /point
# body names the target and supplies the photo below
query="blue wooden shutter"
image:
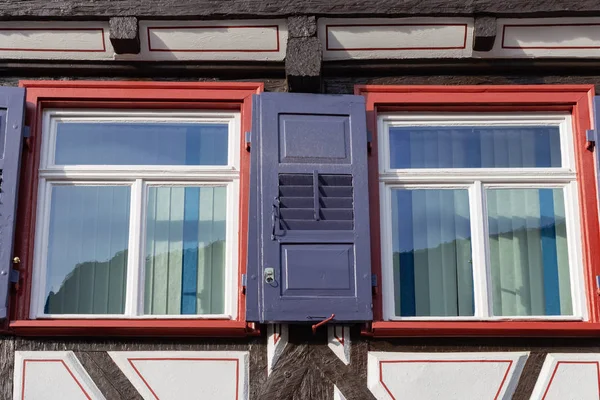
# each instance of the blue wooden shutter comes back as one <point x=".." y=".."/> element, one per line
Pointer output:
<point x="12" y="101"/>
<point x="310" y="214"/>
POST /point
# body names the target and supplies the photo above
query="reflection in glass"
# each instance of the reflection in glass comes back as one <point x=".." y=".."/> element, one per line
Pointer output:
<point x="474" y="147"/>
<point x="119" y="143"/>
<point x="431" y="237"/>
<point x="528" y="252"/>
<point x="185" y="250"/>
<point x="87" y="250"/>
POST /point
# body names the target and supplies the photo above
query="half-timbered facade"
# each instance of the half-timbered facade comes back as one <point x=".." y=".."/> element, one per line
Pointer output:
<point x="299" y="200"/>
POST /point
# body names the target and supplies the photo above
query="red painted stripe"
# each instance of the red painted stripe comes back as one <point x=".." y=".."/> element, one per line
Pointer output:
<point x="572" y="362"/>
<point x="544" y="47"/>
<point x="510" y="362"/>
<point x="276" y="336"/>
<point x="237" y="369"/>
<point x="277" y="47"/>
<point x="464" y="46"/>
<point x="341" y="340"/>
<point x="103" y="50"/>
<point x="59" y="361"/>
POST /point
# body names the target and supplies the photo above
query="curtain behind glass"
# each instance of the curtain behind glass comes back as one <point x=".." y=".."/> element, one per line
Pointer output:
<point x="431" y="237"/>
<point x="474" y="147"/>
<point x="87" y="250"/>
<point x="185" y="250"/>
<point x="528" y="252"/>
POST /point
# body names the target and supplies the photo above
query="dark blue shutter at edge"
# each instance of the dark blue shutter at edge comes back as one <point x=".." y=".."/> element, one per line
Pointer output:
<point x="309" y="212"/>
<point x="12" y="102"/>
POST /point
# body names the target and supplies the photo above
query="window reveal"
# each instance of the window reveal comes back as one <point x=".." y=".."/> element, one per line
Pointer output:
<point x="139" y="238"/>
<point x="481" y="217"/>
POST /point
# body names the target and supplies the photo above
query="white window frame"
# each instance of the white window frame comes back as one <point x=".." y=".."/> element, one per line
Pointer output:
<point x="476" y="181"/>
<point x="139" y="178"/>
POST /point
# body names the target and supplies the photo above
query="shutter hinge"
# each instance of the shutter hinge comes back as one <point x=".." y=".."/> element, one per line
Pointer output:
<point x="590" y="137"/>
<point x="248" y="136"/>
<point x="244" y="283"/>
<point x="369" y="141"/>
<point x="14" y="276"/>
<point x="27" y="137"/>
<point x="374" y="284"/>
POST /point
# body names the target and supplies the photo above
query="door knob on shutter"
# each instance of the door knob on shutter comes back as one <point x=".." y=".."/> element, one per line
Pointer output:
<point x="269" y="275"/>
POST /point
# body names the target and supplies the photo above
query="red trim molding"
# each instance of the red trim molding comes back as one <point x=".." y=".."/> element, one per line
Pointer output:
<point x="510" y="363"/>
<point x="58" y="361"/>
<point x="237" y="369"/>
<point x="544" y="47"/>
<point x="102" y="50"/>
<point x="327" y="48"/>
<point x="572" y="362"/>
<point x="123" y="95"/>
<point x="576" y="99"/>
<point x="275" y="50"/>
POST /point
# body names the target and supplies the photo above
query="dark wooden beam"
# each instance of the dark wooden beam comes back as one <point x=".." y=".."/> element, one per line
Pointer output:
<point x="124" y="35"/>
<point x="302" y="26"/>
<point x="65" y="9"/>
<point x="304" y="56"/>
<point x="485" y="33"/>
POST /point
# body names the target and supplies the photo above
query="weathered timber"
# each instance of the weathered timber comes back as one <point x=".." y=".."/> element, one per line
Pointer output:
<point x="303" y="65"/>
<point x="124" y="35"/>
<point x="7" y="361"/>
<point x="65" y="9"/>
<point x="529" y="376"/>
<point x="485" y="33"/>
<point x="302" y="26"/>
<point x="107" y="376"/>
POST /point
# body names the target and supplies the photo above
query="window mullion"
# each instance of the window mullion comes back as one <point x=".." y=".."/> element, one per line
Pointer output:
<point x="481" y="292"/>
<point x="134" y="303"/>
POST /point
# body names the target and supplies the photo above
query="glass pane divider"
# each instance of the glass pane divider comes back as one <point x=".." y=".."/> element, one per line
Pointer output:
<point x="480" y="251"/>
<point x="134" y="302"/>
<point x="533" y="175"/>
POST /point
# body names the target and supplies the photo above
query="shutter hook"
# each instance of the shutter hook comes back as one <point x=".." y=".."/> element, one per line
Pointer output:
<point x="318" y="324"/>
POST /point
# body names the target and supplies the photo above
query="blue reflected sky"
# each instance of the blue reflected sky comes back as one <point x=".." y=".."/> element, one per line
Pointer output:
<point x="141" y="144"/>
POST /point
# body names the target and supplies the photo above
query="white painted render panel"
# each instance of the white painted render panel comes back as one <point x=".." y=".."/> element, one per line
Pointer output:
<point x="254" y="40"/>
<point x="52" y="375"/>
<point x="175" y="375"/>
<point x="55" y="40"/>
<point x="448" y="376"/>
<point x="569" y="376"/>
<point x="384" y="38"/>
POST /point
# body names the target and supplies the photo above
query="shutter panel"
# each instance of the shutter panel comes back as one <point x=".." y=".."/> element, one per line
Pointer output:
<point x="309" y="157"/>
<point x="12" y="101"/>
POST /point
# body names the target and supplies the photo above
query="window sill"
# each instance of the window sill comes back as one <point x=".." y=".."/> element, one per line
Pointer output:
<point x="488" y="328"/>
<point x="144" y="327"/>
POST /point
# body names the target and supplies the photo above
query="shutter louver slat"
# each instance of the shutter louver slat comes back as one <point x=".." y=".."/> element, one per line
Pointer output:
<point x="299" y="187"/>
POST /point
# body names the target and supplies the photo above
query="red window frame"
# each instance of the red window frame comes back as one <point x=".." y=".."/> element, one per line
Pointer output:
<point x="576" y="99"/>
<point x="122" y="96"/>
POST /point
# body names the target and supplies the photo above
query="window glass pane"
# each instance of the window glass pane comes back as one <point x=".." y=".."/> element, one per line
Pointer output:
<point x="185" y="250"/>
<point x="141" y="144"/>
<point x="87" y="250"/>
<point x="528" y="252"/>
<point x="431" y="236"/>
<point x="474" y="147"/>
